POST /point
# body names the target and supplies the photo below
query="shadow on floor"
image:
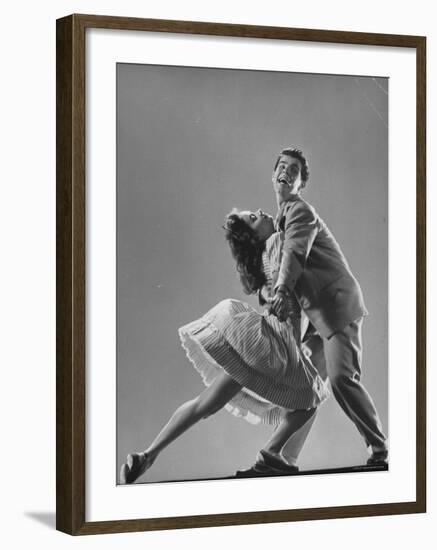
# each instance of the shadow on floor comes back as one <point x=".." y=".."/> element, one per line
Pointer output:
<point x="46" y="518"/>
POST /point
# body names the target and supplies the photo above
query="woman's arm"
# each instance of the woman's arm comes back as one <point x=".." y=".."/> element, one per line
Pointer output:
<point x="264" y="296"/>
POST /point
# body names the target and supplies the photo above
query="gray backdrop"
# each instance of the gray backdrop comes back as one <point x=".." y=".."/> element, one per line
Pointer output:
<point x="191" y="144"/>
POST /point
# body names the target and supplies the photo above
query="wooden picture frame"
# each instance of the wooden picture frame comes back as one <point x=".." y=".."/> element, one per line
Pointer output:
<point x="71" y="276"/>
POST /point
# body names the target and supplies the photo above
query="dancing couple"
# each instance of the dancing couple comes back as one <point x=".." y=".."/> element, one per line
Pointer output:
<point x="273" y="367"/>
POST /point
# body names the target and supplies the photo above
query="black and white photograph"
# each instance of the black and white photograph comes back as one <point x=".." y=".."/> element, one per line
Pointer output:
<point x="218" y="260"/>
<point x="252" y="273"/>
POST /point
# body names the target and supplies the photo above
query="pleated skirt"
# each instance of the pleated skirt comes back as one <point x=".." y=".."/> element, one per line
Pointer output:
<point x="260" y="353"/>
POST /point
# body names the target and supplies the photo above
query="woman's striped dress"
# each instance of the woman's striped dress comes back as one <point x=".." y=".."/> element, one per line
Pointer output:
<point x="257" y="351"/>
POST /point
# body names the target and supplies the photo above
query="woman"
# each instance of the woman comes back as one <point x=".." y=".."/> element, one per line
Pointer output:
<point x="251" y="363"/>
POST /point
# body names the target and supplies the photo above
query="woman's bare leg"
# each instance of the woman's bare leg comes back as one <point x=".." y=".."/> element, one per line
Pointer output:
<point x="291" y="450"/>
<point x="211" y="400"/>
<point x="290" y="424"/>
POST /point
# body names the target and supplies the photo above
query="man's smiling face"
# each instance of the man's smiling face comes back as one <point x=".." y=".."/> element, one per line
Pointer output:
<point x="287" y="177"/>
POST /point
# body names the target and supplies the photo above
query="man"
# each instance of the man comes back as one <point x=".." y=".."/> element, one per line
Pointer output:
<point x="314" y="268"/>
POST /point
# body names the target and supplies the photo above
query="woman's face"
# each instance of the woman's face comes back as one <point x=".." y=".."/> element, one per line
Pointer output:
<point x="260" y="222"/>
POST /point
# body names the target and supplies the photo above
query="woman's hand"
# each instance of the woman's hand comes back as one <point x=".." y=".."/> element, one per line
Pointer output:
<point x="280" y="305"/>
<point x="264" y="297"/>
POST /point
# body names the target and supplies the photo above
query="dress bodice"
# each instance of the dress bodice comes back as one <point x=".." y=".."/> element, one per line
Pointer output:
<point x="271" y="260"/>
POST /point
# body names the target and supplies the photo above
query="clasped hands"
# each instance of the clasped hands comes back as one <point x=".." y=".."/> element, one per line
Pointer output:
<point x="279" y="305"/>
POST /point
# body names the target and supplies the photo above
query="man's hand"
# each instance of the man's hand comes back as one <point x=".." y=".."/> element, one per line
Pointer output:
<point x="279" y="305"/>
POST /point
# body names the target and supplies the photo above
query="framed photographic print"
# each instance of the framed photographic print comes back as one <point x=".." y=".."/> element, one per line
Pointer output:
<point x="240" y="274"/>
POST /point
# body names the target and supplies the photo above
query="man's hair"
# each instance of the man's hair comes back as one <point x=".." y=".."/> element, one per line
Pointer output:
<point x="297" y="154"/>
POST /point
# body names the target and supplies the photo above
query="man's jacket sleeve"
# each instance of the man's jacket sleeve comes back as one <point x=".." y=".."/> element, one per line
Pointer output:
<point x="300" y="230"/>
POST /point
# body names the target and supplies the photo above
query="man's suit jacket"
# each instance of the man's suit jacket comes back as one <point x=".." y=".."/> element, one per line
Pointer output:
<point x="315" y="269"/>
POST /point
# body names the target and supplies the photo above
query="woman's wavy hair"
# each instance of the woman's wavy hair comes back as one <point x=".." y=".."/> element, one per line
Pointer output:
<point x="246" y="249"/>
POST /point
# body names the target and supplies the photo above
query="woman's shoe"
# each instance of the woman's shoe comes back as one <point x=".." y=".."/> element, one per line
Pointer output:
<point x="135" y="466"/>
